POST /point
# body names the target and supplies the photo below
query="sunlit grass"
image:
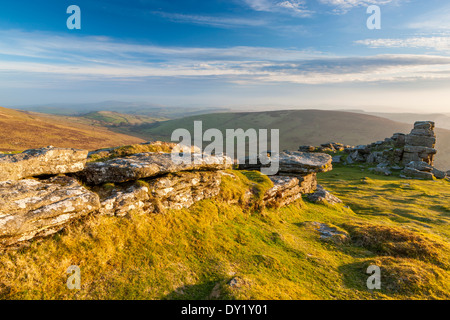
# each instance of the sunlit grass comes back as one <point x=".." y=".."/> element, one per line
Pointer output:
<point x="269" y="254"/>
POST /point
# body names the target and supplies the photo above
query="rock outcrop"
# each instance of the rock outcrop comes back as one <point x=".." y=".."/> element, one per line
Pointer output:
<point x="323" y="196"/>
<point x="292" y="163"/>
<point x="45" y="161"/>
<point x="413" y="152"/>
<point x="420" y="143"/>
<point x="296" y="175"/>
<point x="41" y="190"/>
<point x="30" y="208"/>
<point x="285" y="191"/>
<point x="147" y="182"/>
<point x="172" y="191"/>
<point x="146" y="165"/>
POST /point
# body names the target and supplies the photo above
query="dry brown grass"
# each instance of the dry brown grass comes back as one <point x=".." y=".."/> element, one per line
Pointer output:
<point x="408" y="276"/>
<point x="21" y="130"/>
<point x="397" y="242"/>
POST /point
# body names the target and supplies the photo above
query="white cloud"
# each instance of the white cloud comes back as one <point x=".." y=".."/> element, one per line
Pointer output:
<point x="103" y="59"/>
<point x="293" y="7"/>
<point x="214" y="21"/>
<point x="441" y="44"/>
<point x="343" y="6"/>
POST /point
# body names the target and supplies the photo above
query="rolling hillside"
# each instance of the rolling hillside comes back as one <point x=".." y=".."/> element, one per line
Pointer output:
<point x="116" y="119"/>
<point x="24" y="130"/>
<point x="134" y="108"/>
<point x="303" y="127"/>
<point x="442" y="120"/>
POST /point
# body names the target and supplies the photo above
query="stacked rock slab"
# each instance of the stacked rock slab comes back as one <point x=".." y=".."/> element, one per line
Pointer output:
<point x="413" y="152"/>
<point x="420" y="143"/>
<point x="44" y="161"/>
<point x="32" y="208"/>
<point x="172" y="191"/>
<point x="146" y="165"/>
<point x="296" y="175"/>
<point x="153" y="182"/>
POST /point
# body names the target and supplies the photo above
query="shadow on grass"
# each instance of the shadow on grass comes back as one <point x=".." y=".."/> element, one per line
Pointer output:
<point x="206" y="290"/>
<point x="354" y="275"/>
<point x="406" y="214"/>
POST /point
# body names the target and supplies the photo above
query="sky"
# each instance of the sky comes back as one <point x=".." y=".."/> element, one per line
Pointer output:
<point x="228" y="53"/>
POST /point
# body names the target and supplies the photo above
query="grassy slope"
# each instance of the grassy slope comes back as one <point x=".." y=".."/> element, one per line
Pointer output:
<point x="21" y="130"/>
<point x="303" y="127"/>
<point x="193" y="253"/>
<point x="110" y="118"/>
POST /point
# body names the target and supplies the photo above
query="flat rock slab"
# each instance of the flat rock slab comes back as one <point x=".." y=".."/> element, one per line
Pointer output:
<point x="295" y="162"/>
<point x="30" y="208"/>
<point x="44" y="161"/>
<point x="146" y="165"/>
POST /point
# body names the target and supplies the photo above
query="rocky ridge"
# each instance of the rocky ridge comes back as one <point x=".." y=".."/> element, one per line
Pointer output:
<point x="411" y="153"/>
<point x="43" y="190"/>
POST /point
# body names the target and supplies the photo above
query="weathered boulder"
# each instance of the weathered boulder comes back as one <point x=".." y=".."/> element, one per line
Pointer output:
<point x="420" y="140"/>
<point x="307" y="183"/>
<point x="293" y="163"/>
<point x="337" y="159"/>
<point x="384" y="171"/>
<point x="145" y="165"/>
<point x="172" y="191"/>
<point x="419" y="144"/>
<point x="121" y="200"/>
<point x="420" y="165"/>
<point x="321" y="195"/>
<point x="285" y="190"/>
<point x="44" y="161"/>
<point x="128" y="150"/>
<point x="416" y="174"/>
<point x="30" y="208"/>
<point x="439" y="174"/>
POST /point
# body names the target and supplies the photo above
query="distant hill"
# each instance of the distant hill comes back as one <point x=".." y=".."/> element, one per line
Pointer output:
<point x="442" y="120"/>
<point x="303" y="127"/>
<point x="116" y="119"/>
<point x="21" y="130"/>
<point x="134" y="108"/>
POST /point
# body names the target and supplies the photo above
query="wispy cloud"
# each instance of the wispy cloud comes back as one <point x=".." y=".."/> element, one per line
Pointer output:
<point x="105" y="59"/>
<point x="343" y="6"/>
<point x="440" y="44"/>
<point x="213" y="21"/>
<point x="292" y="7"/>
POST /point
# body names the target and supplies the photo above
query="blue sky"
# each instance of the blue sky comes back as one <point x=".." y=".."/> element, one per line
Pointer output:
<point x="235" y="53"/>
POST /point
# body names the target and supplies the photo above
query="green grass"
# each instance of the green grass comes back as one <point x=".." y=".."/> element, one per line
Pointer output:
<point x="269" y="254"/>
<point x="110" y="118"/>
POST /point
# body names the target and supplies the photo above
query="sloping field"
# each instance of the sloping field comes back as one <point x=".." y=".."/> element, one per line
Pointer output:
<point x="22" y="130"/>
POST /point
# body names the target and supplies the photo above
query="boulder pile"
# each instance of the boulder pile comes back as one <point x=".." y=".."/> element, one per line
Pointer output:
<point x="297" y="175"/>
<point x="31" y="207"/>
<point x="43" y="190"/>
<point x="412" y="153"/>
